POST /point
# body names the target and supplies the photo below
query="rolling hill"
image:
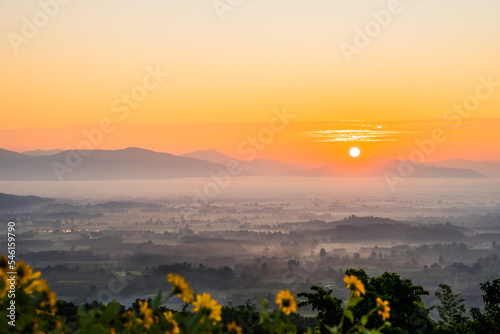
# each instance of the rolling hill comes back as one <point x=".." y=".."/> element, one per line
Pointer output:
<point x="8" y="202"/>
<point x="130" y="163"/>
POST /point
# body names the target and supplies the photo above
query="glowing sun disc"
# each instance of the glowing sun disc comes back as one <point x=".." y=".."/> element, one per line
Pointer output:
<point x="354" y="152"/>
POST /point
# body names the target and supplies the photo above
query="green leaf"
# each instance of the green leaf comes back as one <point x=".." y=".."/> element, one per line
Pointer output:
<point x="353" y="301"/>
<point x="157" y="301"/>
<point x="364" y="320"/>
<point x="333" y="330"/>
<point x="349" y="315"/>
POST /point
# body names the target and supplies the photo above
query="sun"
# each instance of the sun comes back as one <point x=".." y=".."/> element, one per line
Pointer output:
<point x="354" y="152"/>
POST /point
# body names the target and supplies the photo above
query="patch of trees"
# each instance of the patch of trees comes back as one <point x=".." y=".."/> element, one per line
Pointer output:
<point x="402" y="232"/>
<point x="65" y="256"/>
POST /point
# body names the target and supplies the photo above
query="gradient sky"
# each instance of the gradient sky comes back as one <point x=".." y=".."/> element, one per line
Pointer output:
<point x="226" y="76"/>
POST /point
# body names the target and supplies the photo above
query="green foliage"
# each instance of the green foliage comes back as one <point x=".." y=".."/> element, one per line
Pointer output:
<point x="274" y="322"/>
<point x="451" y="307"/>
<point x="335" y="319"/>
<point x="407" y="310"/>
<point x="329" y="308"/>
<point x="247" y="317"/>
<point x="365" y="311"/>
<point x="489" y="321"/>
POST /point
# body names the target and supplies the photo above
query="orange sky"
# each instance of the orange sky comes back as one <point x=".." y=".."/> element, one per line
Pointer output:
<point x="225" y="77"/>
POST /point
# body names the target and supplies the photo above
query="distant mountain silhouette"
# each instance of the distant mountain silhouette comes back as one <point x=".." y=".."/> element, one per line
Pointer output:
<point x="488" y="168"/>
<point x="263" y="167"/>
<point x="380" y="166"/>
<point x="137" y="163"/>
<point x="130" y="163"/>
<point x="8" y="156"/>
<point x="209" y="155"/>
<point x="37" y="153"/>
<point x="8" y="202"/>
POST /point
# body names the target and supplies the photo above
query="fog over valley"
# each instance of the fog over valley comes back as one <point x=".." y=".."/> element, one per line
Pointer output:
<point x="253" y="234"/>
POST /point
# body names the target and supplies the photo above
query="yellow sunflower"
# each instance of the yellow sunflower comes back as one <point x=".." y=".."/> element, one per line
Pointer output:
<point x="50" y="298"/>
<point x="129" y="316"/>
<point x="180" y="287"/>
<point x="205" y="303"/>
<point x="233" y="328"/>
<point x="25" y="273"/>
<point x="383" y="308"/>
<point x="3" y="285"/>
<point x="147" y="314"/>
<point x="174" y="326"/>
<point x="4" y="263"/>
<point x="354" y="285"/>
<point x="286" y="301"/>
<point x="39" y="285"/>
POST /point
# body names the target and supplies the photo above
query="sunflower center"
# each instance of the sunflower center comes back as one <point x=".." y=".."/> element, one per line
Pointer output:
<point x="285" y="302"/>
<point x="207" y="310"/>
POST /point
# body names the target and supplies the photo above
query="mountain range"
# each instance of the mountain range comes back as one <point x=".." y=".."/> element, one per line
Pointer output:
<point x="129" y="163"/>
<point x="262" y="167"/>
<point x="37" y="153"/>
<point x="137" y="163"/>
<point x="488" y="168"/>
<point x="380" y="166"/>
